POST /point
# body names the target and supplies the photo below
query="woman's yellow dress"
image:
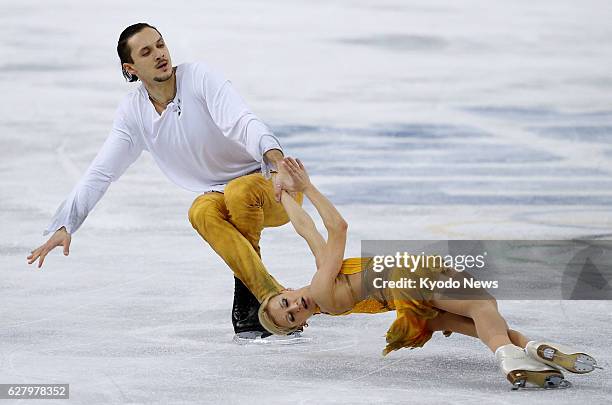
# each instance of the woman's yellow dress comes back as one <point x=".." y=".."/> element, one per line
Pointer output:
<point x="412" y="305"/>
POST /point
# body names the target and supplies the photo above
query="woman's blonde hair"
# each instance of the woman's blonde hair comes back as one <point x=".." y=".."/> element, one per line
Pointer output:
<point x="266" y="320"/>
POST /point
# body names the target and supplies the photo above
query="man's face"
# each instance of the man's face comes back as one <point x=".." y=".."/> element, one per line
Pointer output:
<point x="291" y="308"/>
<point x="151" y="57"/>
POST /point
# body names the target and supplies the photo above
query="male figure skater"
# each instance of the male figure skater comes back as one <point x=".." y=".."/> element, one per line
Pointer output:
<point x="205" y="139"/>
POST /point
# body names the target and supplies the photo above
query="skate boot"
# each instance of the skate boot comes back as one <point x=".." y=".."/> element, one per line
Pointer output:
<point x="522" y="371"/>
<point x="557" y="355"/>
<point x="244" y="313"/>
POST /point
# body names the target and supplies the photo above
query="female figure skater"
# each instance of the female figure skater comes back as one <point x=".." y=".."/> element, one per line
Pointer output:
<point x="340" y="287"/>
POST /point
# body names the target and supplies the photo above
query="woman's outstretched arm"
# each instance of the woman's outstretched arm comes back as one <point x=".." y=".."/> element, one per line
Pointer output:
<point x="304" y="226"/>
<point x="330" y="261"/>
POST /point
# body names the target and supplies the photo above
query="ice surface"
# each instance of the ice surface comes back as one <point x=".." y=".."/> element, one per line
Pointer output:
<point x="420" y="119"/>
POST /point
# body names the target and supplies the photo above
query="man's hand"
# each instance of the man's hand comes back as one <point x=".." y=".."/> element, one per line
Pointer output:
<point x="61" y="237"/>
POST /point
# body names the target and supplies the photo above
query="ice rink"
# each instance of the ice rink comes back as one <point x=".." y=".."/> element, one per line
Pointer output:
<point x="420" y="119"/>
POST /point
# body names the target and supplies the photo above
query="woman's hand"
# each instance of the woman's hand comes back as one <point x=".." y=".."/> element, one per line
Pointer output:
<point x="296" y="170"/>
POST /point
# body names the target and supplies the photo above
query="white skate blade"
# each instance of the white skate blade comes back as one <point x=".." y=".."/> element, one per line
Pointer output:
<point x="254" y="338"/>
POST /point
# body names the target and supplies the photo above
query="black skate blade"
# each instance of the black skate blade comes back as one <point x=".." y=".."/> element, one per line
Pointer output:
<point x="255" y="338"/>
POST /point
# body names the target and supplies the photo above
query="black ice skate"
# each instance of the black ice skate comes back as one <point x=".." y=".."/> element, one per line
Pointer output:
<point x="244" y="311"/>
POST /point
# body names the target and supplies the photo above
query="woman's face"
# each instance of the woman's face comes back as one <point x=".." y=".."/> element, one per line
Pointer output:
<point x="291" y="308"/>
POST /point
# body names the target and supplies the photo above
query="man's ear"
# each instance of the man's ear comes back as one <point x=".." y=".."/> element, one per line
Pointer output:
<point x="128" y="67"/>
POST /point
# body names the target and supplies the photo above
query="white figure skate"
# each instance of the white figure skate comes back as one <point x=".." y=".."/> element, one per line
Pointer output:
<point x="556" y="355"/>
<point x="523" y="371"/>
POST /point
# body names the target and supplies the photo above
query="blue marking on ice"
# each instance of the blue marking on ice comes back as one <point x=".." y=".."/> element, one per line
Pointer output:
<point x="580" y="133"/>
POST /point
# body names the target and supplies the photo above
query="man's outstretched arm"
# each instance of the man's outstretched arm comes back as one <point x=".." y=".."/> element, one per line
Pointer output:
<point x="61" y="237"/>
<point x="116" y="155"/>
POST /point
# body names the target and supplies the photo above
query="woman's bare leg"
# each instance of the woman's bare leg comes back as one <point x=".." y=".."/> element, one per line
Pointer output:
<point x="491" y="328"/>
<point x="452" y="323"/>
<point x="447" y="321"/>
<point x="518" y="338"/>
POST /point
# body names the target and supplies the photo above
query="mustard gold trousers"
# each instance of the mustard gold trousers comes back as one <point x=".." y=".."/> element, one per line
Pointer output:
<point x="231" y="222"/>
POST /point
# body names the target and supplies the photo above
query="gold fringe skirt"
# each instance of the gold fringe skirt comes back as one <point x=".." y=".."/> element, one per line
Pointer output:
<point x="412" y="305"/>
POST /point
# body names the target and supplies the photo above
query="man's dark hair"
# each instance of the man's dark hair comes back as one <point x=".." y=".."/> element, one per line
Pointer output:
<point x="123" y="49"/>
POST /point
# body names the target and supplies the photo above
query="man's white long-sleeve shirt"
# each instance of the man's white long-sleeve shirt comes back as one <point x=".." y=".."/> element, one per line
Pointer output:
<point x="204" y="138"/>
